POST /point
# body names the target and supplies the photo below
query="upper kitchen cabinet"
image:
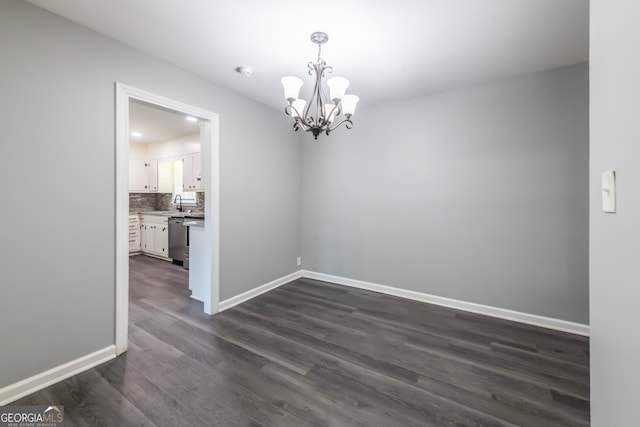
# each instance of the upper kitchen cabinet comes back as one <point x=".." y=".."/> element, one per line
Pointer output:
<point x="163" y="138"/>
<point x="143" y="176"/>
<point x="192" y="173"/>
<point x="171" y="166"/>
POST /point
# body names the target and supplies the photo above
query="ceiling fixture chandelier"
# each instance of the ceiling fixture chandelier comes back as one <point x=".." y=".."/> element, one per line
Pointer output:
<point x="318" y="115"/>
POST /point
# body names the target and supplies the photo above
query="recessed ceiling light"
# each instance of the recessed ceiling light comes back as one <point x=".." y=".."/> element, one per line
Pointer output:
<point x="192" y="119"/>
<point x="136" y="133"/>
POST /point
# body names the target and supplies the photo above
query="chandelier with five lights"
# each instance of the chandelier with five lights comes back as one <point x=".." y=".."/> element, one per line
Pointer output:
<point x="319" y="115"/>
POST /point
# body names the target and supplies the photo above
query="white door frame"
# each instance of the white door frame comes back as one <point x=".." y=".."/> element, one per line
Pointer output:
<point x="211" y="179"/>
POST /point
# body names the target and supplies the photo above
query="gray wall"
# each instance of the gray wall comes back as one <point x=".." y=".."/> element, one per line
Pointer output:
<point x="615" y="238"/>
<point x="479" y="194"/>
<point x="57" y="144"/>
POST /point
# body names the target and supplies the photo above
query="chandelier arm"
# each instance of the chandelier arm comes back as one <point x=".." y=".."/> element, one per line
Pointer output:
<point x="299" y="120"/>
<point x="299" y="124"/>
<point x="289" y="109"/>
<point x="347" y="123"/>
<point x="305" y="127"/>
<point x="302" y="124"/>
<point x="335" y="106"/>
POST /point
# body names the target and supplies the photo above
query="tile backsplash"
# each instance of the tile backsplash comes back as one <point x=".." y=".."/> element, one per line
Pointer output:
<point x="163" y="201"/>
<point x="144" y="202"/>
<point x="147" y="202"/>
<point x="200" y="201"/>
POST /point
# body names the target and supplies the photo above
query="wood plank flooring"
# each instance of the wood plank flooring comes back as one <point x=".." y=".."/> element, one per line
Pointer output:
<point x="312" y="353"/>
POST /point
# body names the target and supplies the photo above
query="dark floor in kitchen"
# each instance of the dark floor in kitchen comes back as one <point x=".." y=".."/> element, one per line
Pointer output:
<point x="314" y="353"/>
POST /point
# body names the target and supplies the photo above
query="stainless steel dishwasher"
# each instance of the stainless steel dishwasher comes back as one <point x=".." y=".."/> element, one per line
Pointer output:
<point x="178" y="241"/>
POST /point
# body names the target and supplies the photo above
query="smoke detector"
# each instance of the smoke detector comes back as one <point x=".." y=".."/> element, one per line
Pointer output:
<point x="245" y="70"/>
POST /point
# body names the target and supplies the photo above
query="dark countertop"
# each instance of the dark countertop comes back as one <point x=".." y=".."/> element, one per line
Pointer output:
<point x="172" y="214"/>
<point x="193" y="223"/>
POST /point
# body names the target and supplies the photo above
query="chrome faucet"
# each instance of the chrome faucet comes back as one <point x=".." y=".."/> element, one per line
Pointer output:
<point x="175" y="201"/>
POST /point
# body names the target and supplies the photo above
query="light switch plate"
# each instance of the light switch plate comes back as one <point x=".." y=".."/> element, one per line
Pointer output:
<point x="609" y="191"/>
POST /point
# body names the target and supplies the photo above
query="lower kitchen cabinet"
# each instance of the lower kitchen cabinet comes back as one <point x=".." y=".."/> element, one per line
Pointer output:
<point x="155" y="235"/>
<point x="134" y="233"/>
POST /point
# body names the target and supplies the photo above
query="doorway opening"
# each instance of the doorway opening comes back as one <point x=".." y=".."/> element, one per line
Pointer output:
<point x="205" y="182"/>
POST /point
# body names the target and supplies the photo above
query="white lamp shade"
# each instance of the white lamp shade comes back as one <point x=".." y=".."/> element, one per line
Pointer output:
<point x="298" y="105"/>
<point x="337" y="87"/>
<point x="292" y="87"/>
<point x="330" y="110"/>
<point x="349" y="104"/>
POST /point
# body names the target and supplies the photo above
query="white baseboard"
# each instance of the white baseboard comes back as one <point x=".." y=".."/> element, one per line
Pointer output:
<point x="39" y="381"/>
<point x="502" y="313"/>
<point x="245" y="296"/>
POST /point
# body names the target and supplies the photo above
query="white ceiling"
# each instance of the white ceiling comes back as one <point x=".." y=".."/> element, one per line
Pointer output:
<point x="388" y="49"/>
<point x="157" y="124"/>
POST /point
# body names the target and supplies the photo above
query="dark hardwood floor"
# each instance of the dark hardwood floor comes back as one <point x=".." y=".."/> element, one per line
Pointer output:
<point x="315" y="353"/>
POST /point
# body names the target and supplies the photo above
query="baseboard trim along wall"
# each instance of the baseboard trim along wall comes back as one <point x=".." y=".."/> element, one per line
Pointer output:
<point x="42" y="380"/>
<point x="252" y="293"/>
<point x="502" y="313"/>
<point x="39" y="381"/>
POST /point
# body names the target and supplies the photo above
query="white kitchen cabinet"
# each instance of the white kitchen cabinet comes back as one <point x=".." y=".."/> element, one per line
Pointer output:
<point x="153" y="175"/>
<point x="134" y="233"/>
<point x="137" y="174"/>
<point x="197" y="263"/>
<point x="143" y="176"/>
<point x="192" y="173"/>
<point x="197" y="171"/>
<point x="155" y="235"/>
